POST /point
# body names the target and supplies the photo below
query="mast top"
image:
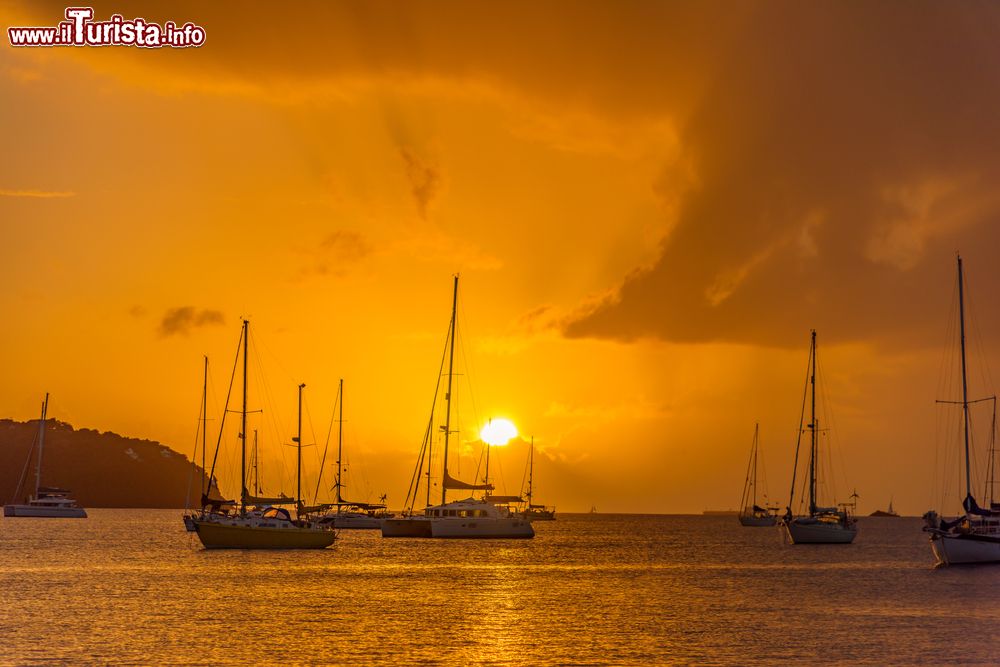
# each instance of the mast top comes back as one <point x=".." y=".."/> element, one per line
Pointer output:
<point x="965" y="384"/>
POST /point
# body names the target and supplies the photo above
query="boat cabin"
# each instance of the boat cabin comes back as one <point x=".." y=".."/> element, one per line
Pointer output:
<point x="469" y="508"/>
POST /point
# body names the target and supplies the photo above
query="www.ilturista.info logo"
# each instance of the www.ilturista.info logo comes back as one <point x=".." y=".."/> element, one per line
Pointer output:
<point x="79" y="29"/>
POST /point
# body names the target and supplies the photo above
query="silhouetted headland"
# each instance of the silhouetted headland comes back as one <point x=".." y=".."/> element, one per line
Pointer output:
<point x="103" y="469"/>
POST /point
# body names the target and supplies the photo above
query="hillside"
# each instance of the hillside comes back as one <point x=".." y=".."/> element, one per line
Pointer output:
<point x="101" y="469"/>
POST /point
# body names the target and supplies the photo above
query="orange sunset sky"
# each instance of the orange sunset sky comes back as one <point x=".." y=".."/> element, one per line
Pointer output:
<point x="650" y="204"/>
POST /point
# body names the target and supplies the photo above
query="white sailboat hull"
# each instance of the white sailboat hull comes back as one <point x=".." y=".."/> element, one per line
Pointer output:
<point x="47" y="512"/>
<point x="965" y="549"/>
<point x="406" y="527"/>
<point x="233" y="535"/>
<point x="482" y="528"/>
<point x="820" y="532"/>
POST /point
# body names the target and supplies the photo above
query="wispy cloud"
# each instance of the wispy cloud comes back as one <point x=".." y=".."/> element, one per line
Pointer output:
<point x="337" y="254"/>
<point x="341" y="249"/>
<point x="36" y="194"/>
<point x="425" y="179"/>
<point x="182" y="320"/>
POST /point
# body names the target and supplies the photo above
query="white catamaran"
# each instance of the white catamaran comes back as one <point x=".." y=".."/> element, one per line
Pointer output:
<point x="752" y="514"/>
<point x="469" y="518"/>
<point x="975" y="536"/>
<point x="48" y="501"/>
<point x="259" y="526"/>
<point x="823" y="525"/>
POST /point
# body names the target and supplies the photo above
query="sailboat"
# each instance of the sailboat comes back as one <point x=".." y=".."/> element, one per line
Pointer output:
<point x="48" y="501"/>
<point x="260" y="526"/>
<point x="823" y="525"/>
<point x="975" y="536"/>
<point x="475" y="518"/>
<point x="886" y="513"/>
<point x="347" y="513"/>
<point x="188" y="515"/>
<point x="752" y="514"/>
<point x="535" y="512"/>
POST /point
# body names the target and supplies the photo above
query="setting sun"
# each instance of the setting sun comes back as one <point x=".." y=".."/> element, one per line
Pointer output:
<point x="498" y="432"/>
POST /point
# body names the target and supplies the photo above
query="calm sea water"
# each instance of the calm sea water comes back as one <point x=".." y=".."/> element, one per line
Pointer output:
<point x="130" y="586"/>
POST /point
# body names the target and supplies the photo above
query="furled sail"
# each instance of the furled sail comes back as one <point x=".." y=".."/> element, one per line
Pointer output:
<point x="214" y="498"/>
<point x="503" y="500"/>
<point x="450" y="482"/>
<point x="280" y="499"/>
<point x="216" y="503"/>
<point x="360" y="506"/>
<point x="972" y="507"/>
<point x="308" y="509"/>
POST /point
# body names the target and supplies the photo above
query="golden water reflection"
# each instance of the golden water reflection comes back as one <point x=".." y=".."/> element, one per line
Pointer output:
<point x="132" y="587"/>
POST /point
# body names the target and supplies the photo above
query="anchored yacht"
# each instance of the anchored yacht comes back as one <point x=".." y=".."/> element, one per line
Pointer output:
<point x="48" y="501"/>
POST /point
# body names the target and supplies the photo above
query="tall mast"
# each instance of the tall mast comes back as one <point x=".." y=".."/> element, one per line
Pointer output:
<point x="256" y="466"/>
<point x="428" y="445"/>
<point x="813" y="425"/>
<point x="430" y="441"/>
<point x="204" y="422"/>
<point x="756" y="428"/>
<point x="531" y="467"/>
<point x="340" y="446"/>
<point x="41" y="444"/>
<point x="243" y="422"/>
<point x="991" y="473"/>
<point x="487" y="480"/>
<point x="965" y="388"/>
<point x="447" y="396"/>
<point x="298" y="468"/>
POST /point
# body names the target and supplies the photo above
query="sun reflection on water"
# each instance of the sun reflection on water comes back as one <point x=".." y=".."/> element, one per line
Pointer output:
<point x="132" y="587"/>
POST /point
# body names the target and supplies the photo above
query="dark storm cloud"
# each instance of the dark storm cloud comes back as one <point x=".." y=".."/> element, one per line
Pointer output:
<point x="182" y="320"/>
<point x="844" y="153"/>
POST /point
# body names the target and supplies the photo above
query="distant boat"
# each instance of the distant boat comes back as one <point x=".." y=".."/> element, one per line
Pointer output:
<point x="752" y="514"/>
<point x="535" y="512"/>
<point x="975" y="536"/>
<point x="887" y="513"/>
<point x="343" y="513"/>
<point x="823" y="525"/>
<point x="470" y="518"/>
<point x="260" y="526"/>
<point x="48" y="501"/>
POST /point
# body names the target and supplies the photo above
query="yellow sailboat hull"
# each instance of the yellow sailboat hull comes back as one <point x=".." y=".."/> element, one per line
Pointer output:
<point x="225" y="536"/>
